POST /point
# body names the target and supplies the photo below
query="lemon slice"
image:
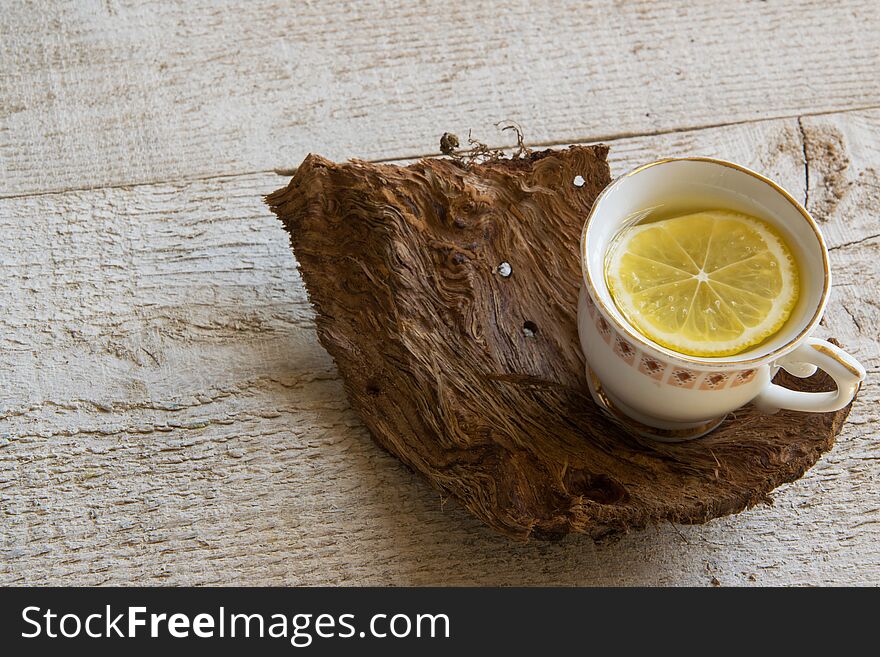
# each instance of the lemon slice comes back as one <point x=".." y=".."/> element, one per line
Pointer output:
<point x="711" y="283"/>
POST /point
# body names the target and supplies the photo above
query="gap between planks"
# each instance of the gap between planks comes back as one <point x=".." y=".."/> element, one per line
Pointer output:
<point x="610" y="137"/>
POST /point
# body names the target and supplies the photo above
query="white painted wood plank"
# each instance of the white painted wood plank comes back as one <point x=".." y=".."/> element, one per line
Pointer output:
<point x="167" y="415"/>
<point x="110" y="93"/>
<point x="843" y="154"/>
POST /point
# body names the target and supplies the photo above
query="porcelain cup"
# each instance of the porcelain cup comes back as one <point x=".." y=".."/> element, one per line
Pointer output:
<point x="671" y="396"/>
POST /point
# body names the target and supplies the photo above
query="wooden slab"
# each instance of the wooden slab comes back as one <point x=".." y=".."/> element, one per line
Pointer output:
<point x="117" y="93"/>
<point x="167" y="414"/>
<point x="474" y="378"/>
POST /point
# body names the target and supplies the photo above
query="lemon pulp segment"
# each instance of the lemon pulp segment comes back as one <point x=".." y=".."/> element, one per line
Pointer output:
<point x="710" y="283"/>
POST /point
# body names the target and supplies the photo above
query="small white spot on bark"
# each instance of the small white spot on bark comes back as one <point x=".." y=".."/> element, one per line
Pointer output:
<point x="504" y="269"/>
<point x="579" y="181"/>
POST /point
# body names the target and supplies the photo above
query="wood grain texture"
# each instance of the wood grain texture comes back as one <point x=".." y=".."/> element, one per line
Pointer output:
<point x="400" y="264"/>
<point x="111" y="93"/>
<point x="167" y="415"/>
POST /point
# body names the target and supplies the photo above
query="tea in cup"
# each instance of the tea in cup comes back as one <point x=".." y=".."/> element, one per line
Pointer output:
<point x="700" y="279"/>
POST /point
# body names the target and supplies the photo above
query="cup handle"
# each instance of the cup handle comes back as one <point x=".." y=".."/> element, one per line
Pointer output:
<point x="846" y="371"/>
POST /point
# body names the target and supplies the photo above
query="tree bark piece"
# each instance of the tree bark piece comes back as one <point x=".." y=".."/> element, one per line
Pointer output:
<point x="475" y="378"/>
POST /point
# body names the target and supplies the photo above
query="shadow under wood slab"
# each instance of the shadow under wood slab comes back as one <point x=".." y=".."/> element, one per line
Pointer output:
<point x="469" y="370"/>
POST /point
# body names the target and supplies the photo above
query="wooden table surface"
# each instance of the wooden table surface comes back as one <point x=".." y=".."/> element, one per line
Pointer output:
<point x="167" y="415"/>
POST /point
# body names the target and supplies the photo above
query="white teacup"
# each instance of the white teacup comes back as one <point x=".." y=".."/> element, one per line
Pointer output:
<point x="671" y="396"/>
